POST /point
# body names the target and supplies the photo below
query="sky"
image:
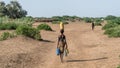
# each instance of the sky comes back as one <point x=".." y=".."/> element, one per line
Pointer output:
<point x="81" y="8"/>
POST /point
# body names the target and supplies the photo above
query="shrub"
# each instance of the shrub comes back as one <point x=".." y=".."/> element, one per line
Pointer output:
<point x="109" y="31"/>
<point x="98" y="21"/>
<point x="88" y="20"/>
<point x="118" y="66"/>
<point x="109" y="25"/>
<point x="44" y="27"/>
<point x="8" y="26"/>
<point x="7" y="35"/>
<point x="4" y="19"/>
<point x="26" y="20"/>
<point x="65" y="18"/>
<point x="113" y="32"/>
<point x="11" y="24"/>
<point x="110" y="17"/>
<point x="29" y="32"/>
<point x="4" y="36"/>
<point x="112" y="28"/>
<point x="116" y="20"/>
<point x="112" y="23"/>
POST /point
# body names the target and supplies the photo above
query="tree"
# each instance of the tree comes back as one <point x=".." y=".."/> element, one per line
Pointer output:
<point x="12" y="10"/>
<point x="110" y="17"/>
<point x="88" y="19"/>
<point x="2" y="8"/>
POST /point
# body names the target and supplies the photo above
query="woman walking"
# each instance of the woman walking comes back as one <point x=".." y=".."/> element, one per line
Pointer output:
<point x="62" y="44"/>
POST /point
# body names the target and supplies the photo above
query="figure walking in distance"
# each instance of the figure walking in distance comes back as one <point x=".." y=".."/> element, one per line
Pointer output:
<point x="93" y="26"/>
<point x="62" y="44"/>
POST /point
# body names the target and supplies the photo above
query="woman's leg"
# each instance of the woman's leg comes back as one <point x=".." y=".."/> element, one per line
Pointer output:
<point x="61" y="53"/>
<point x="61" y="57"/>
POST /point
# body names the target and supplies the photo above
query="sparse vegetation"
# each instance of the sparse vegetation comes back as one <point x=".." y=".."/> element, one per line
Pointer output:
<point x="8" y="26"/>
<point x="109" y="25"/>
<point x="118" y="66"/>
<point x="12" y="24"/>
<point x="44" y="27"/>
<point x="88" y="19"/>
<point x="88" y="47"/>
<point x="110" y="17"/>
<point x="4" y="36"/>
<point x="112" y="28"/>
<point x="98" y="21"/>
<point x="113" y="32"/>
<point x="58" y="18"/>
<point x="29" y="32"/>
<point x="17" y="24"/>
<point x="7" y="35"/>
<point x="58" y="22"/>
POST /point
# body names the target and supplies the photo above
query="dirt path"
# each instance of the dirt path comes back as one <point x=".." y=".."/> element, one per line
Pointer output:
<point x="88" y="49"/>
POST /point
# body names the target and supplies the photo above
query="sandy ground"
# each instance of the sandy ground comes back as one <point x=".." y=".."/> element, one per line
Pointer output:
<point x="88" y="49"/>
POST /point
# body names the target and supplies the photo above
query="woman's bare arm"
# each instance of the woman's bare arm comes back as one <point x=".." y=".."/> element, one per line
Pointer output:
<point x="66" y="43"/>
<point x="58" y="42"/>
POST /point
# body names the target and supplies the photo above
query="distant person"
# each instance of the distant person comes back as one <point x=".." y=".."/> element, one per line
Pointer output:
<point x="93" y="25"/>
<point x="61" y="26"/>
<point x="62" y="44"/>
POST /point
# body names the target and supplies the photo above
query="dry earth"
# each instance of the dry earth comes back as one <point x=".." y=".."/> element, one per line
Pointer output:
<point x="88" y="49"/>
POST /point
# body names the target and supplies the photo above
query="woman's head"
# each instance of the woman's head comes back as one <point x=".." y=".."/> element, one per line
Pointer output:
<point x="61" y="31"/>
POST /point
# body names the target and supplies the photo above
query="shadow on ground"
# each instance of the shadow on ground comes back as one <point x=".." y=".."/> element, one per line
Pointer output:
<point x="87" y="60"/>
<point x="53" y="31"/>
<point x="47" y="41"/>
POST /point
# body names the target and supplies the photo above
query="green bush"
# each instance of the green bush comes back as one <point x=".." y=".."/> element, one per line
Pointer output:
<point x="98" y="21"/>
<point x="110" y="17"/>
<point x="109" y="25"/>
<point x="8" y="26"/>
<point x="88" y="20"/>
<point x="113" y="32"/>
<point x="112" y="28"/>
<point x="29" y="32"/>
<point x="118" y="66"/>
<point x="4" y="36"/>
<point x="25" y="20"/>
<point x="4" y="19"/>
<point x="44" y="27"/>
<point x="11" y="24"/>
<point x="7" y="35"/>
<point x="65" y="18"/>
<point x="116" y="20"/>
<point x="109" y="31"/>
<point x="112" y="23"/>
